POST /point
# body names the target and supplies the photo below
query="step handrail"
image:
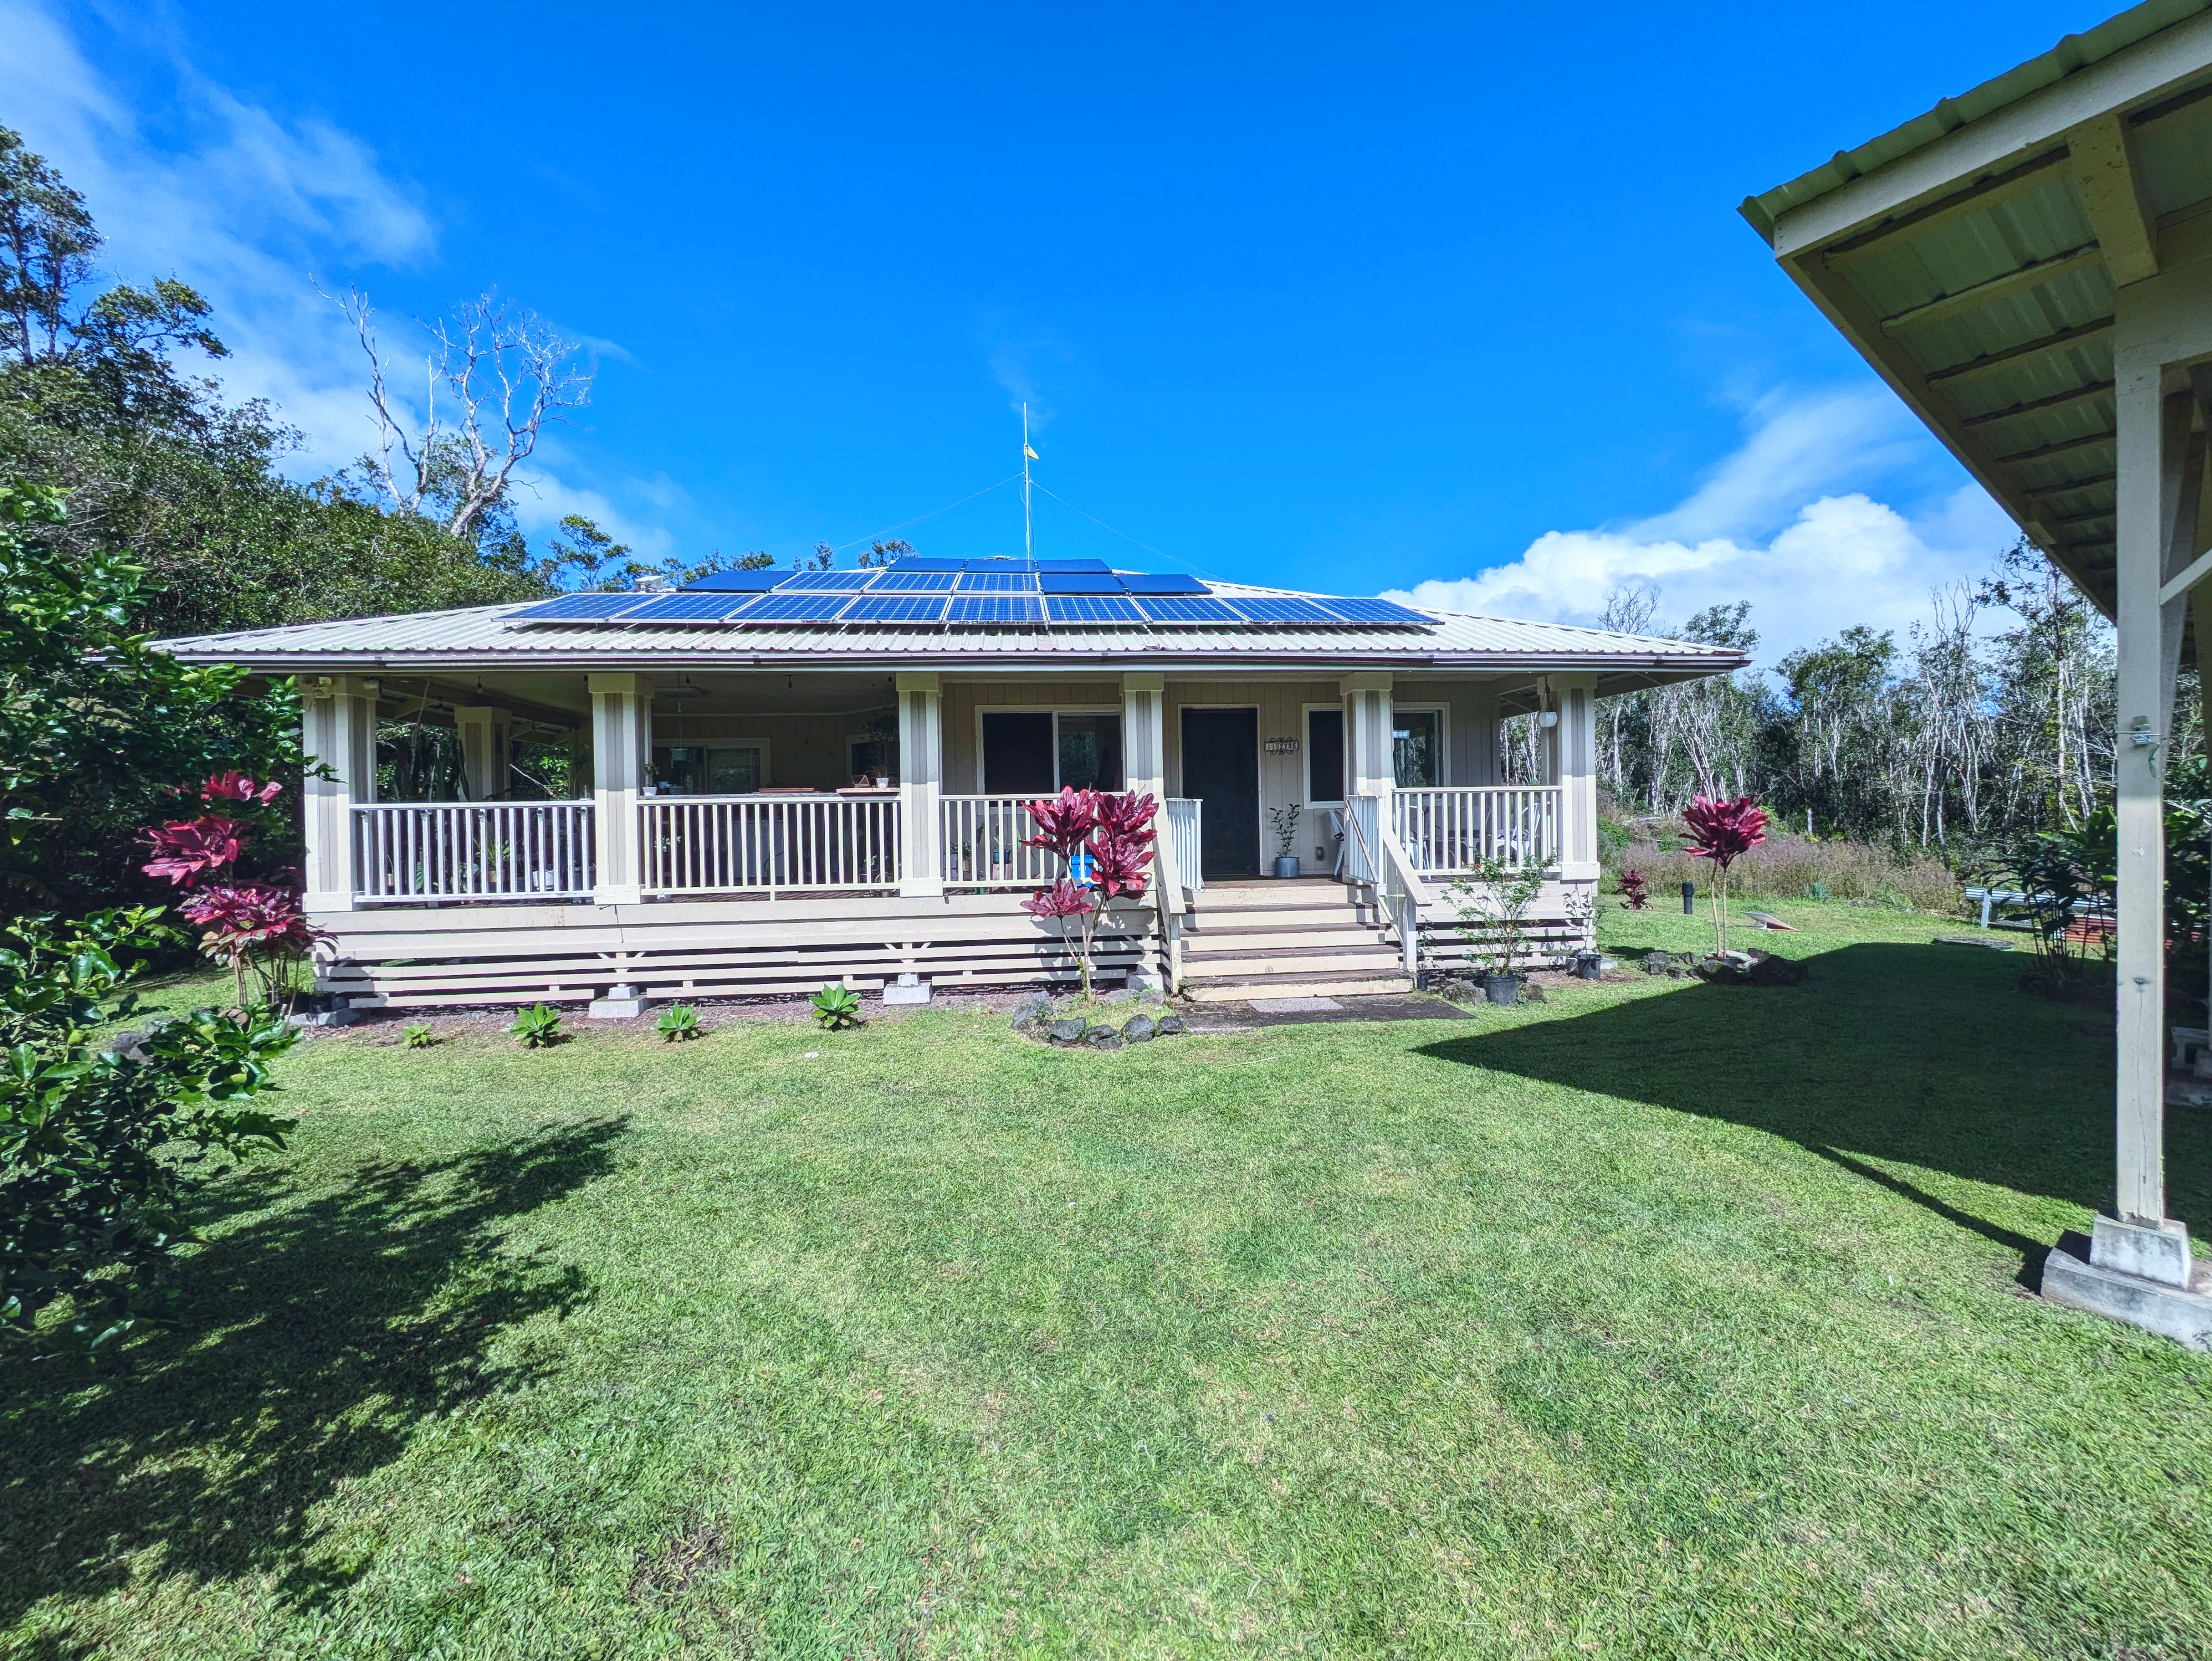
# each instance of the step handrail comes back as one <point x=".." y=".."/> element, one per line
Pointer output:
<point x="1399" y="891"/>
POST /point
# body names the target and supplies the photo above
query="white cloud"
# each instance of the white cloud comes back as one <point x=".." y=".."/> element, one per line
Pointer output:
<point x="244" y="211"/>
<point x="1770" y="526"/>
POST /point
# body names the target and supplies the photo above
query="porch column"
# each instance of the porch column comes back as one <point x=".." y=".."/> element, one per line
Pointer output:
<point x="622" y="744"/>
<point x="1367" y="733"/>
<point x="485" y="731"/>
<point x="1575" y="761"/>
<point x="921" y="784"/>
<point x="1143" y="737"/>
<point x="340" y="730"/>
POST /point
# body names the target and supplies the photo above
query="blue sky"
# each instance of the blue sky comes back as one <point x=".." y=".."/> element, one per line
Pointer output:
<point x="1345" y="299"/>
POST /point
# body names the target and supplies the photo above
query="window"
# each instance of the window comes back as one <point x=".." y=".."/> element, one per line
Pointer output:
<point x="1324" y="754"/>
<point x="1034" y="752"/>
<point x="1091" y="753"/>
<point x="692" y="769"/>
<point x="1417" y="744"/>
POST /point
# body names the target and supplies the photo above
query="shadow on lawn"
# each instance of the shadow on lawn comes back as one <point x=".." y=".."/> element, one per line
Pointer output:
<point x="317" y="1338"/>
<point x="1927" y="1056"/>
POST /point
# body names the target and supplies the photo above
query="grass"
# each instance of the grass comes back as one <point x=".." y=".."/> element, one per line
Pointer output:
<point x="1656" y="1320"/>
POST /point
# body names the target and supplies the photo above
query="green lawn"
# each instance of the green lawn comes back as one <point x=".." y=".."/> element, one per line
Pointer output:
<point x="1656" y="1320"/>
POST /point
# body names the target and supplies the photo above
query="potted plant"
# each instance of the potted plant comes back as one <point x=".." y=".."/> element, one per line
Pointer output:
<point x="1286" y="819"/>
<point x="1493" y="908"/>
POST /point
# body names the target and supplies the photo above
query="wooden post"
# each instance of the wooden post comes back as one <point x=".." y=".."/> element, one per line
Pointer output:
<point x="485" y="732"/>
<point x="1367" y="732"/>
<point x="1575" y="756"/>
<point x="340" y="722"/>
<point x="921" y="784"/>
<point x="1143" y="737"/>
<point x="622" y="744"/>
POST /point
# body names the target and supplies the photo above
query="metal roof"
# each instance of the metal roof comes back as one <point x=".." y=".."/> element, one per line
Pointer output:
<point x="486" y="637"/>
<point x="1973" y="254"/>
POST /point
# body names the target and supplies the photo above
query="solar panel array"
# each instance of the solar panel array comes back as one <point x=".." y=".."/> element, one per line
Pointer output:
<point x="972" y="593"/>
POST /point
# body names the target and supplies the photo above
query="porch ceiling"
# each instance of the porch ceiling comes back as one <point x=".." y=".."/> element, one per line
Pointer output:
<point x="1971" y="256"/>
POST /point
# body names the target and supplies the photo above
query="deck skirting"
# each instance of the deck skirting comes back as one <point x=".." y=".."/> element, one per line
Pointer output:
<point x="420" y="957"/>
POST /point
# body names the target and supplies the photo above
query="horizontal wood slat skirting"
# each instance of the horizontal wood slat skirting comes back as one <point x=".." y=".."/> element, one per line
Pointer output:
<point x="495" y="954"/>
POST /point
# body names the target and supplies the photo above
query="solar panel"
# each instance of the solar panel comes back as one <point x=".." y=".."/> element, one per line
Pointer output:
<point x="1258" y="609"/>
<point x="1074" y="565"/>
<point x="1141" y="582"/>
<point x="804" y="581"/>
<point x="917" y="562"/>
<point x="1374" y="611"/>
<point x="996" y="608"/>
<point x="996" y="582"/>
<point x="1175" y="608"/>
<point x="690" y="608"/>
<point x="793" y="608"/>
<point x="896" y="608"/>
<point x="898" y="582"/>
<point x="735" y="583"/>
<point x="1079" y="582"/>
<point x="998" y="562"/>
<point x="577" y="608"/>
<point x="1092" y="608"/>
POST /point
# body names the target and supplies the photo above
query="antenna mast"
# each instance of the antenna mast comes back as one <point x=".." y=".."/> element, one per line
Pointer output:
<point x="1029" y="550"/>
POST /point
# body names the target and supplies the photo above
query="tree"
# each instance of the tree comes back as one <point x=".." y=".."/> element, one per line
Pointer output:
<point x="497" y="377"/>
<point x="1105" y="840"/>
<point x="1722" y="832"/>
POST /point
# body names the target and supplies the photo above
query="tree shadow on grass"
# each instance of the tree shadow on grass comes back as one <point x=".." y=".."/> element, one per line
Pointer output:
<point x="1926" y="1055"/>
<point x="316" y="1338"/>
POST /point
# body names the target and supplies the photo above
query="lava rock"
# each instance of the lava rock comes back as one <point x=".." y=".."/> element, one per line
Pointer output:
<point x="1168" y="1025"/>
<point x="1066" y="1033"/>
<point x="1033" y="1009"/>
<point x="1102" y="1037"/>
<point x="1140" y="1029"/>
<point x="1531" y="993"/>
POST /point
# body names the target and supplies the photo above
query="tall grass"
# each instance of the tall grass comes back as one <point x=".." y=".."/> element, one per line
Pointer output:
<point x="1789" y="868"/>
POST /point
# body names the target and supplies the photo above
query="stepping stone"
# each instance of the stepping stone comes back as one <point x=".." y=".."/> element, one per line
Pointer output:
<point x="1971" y="940"/>
<point x="1292" y="1005"/>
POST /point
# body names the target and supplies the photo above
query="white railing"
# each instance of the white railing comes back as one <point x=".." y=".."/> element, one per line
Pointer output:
<point x="452" y="850"/>
<point x="1181" y="814"/>
<point x="982" y="843"/>
<point x="1453" y="830"/>
<point x="764" y="844"/>
<point x="1374" y="856"/>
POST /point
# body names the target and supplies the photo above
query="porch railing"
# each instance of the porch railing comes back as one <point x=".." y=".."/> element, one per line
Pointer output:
<point x="982" y="843"/>
<point x="1446" y="831"/>
<point x="761" y="844"/>
<point x="1182" y="817"/>
<point x="434" y="850"/>
<point x="1374" y="856"/>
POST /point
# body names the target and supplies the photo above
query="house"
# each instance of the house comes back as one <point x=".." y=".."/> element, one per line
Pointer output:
<point x="2029" y="266"/>
<point x="801" y="775"/>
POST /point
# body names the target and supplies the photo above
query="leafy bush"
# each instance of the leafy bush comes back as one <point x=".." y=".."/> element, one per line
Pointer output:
<point x="254" y="926"/>
<point x="1105" y="840"/>
<point x="96" y="1145"/>
<point x="1634" y="893"/>
<point x="679" y="1024"/>
<point x="1493" y="906"/>
<point x="836" y="1007"/>
<point x="538" y="1026"/>
<point x="420" y="1036"/>
<point x="1721" y="831"/>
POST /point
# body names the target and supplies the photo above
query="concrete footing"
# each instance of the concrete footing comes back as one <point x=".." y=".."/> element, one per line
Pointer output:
<point x="621" y="1003"/>
<point x="2096" y="1282"/>
<point x="908" y="989"/>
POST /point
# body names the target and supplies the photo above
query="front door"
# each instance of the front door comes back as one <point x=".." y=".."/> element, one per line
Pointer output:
<point x="1221" y="768"/>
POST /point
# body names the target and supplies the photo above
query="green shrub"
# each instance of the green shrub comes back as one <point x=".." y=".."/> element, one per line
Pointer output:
<point x="97" y="1145"/>
<point x="538" y="1026"/>
<point x="679" y="1024"/>
<point x="837" y="1006"/>
<point x="420" y="1036"/>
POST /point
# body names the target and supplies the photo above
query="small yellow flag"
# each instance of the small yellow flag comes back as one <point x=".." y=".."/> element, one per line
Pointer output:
<point x="1031" y="454"/>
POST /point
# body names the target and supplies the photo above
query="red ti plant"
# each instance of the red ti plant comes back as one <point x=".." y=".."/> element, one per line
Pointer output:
<point x="1634" y="890"/>
<point x="1721" y="831"/>
<point x="253" y="925"/>
<point x="1115" y="833"/>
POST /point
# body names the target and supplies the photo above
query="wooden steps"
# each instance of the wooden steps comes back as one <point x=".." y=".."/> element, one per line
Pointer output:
<point x="1310" y="938"/>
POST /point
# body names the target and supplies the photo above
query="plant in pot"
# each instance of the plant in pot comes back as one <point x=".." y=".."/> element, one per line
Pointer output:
<point x="1286" y="819"/>
<point x="1493" y="906"/>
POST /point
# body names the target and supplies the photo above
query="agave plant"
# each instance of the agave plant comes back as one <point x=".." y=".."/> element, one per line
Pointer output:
<point x="538" y="1026"/>
<point x="420" y="1036"/>
<point x="679" y="1024"/>
<point x="1722" y="831"/>
<point x="836" y="1007"/>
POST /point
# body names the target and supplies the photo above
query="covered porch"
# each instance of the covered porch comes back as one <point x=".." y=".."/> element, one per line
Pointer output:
<point x="766" y="829"/>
